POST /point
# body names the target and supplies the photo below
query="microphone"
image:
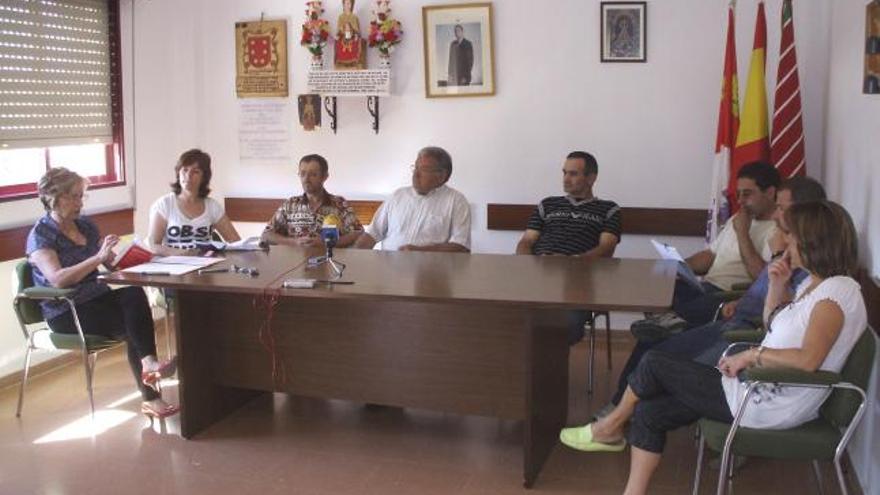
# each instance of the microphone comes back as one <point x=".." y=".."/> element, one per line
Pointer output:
<point x="330" y="236"/>
<point x="330" y="233"/>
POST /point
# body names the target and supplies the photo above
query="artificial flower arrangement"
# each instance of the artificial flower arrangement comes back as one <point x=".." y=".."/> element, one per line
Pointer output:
<point x="316" y="31"/>
<point x="385" y="31"/>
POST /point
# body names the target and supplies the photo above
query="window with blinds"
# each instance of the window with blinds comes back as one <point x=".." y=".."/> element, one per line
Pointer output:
<point x="59" y="91"/>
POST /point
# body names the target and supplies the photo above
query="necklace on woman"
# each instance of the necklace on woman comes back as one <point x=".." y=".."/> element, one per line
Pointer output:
<point x="814" y="282"/>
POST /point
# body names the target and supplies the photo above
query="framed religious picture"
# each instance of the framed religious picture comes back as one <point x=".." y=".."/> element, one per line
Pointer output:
<point x="261" y="58"/>
<point x="623" y="32"/>
<point x="871" y="84"/>
<point x="309" y="108"/>
<point x="459" y="60"/>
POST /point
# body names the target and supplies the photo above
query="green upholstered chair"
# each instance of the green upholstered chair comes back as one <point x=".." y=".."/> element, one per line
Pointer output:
<point x="823" y="439"/>
<point x="745" y="334"/>
<point x="40" y="337"/>
<point x="729" y="295"/>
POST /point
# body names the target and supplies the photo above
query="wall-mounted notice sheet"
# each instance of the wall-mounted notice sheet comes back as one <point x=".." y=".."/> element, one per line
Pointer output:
<point x="264" y="131"/>
<point x="350" y="82"/>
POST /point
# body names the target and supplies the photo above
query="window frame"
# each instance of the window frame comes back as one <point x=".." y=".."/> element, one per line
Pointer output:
<point x="114" y="152"/>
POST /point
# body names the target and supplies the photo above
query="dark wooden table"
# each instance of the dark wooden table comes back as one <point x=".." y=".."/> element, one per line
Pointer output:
<point x="460" y="333"/>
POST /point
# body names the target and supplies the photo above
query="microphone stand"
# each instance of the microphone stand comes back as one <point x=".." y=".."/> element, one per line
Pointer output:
<point x="337" y="267"/>
<point x="331" y="236"/>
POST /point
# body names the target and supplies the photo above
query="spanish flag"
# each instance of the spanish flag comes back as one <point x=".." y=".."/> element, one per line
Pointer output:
<point x="752" y="140"/>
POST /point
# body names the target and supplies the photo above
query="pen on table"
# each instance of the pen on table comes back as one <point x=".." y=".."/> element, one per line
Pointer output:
<point x="335" y="282"/>
<point x="157" y="274"/>
<point x="213" y="270"/>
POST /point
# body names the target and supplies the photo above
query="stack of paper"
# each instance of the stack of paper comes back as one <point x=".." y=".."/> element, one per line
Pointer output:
<point x="249" y="244"/>
<point x="172" y="265"/>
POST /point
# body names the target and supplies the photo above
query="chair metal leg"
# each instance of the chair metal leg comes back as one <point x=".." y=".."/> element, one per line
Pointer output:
<point x="87" y="360"/>
<point x="731" y="464"/>
<point x="167" y="333"/>
<point x="608" y="337"/>
<point x="817" y="472"/>
<point x="169" y="303"/>
<point x="699" y="469"/>
<point x="841" y="477"/>
<point x="592" y="353"/>
<point x="724" y="472"/>
<point x="24" y="378"/>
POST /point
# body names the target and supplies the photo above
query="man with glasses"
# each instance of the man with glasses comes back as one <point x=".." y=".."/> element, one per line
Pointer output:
<point x="428" y="216"/>
<point x="299" y="219"/>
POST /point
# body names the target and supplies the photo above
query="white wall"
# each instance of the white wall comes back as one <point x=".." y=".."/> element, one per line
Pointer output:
<point x="853" y="148"/>
<point x="852" y="176"/>
<point x="652" y="126"/>
<point x="641" y="120"/>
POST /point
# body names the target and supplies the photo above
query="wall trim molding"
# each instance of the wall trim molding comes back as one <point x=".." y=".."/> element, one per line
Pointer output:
<point x="261" y="209"/>
<point x="119" y="222"/>
<point x="512" y="217"/>
<point x="48" y="366"/>
<point x="635" y="221"/>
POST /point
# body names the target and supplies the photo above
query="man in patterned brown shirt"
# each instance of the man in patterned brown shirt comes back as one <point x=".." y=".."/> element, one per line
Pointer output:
<point x="298" y="221"/>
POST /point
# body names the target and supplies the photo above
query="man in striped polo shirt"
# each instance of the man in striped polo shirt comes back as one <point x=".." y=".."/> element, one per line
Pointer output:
<point x="577" y="224"/>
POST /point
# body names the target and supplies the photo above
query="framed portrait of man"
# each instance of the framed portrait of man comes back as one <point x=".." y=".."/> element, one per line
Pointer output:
<point x="623" y="32"/>
<point x="458" y="50"/>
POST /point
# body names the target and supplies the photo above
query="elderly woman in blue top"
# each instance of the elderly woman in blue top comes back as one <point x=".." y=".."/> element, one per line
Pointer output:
<point x="813" y="329"/>
<point x="65" y="250"/>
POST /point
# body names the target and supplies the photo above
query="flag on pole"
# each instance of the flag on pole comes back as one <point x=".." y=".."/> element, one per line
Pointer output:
<point x="787" y="143"/>
<point x="728" y="126"/>
<point x="752" y="140"/>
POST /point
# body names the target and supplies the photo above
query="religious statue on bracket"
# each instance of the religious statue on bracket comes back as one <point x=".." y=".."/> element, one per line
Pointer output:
<point x="350" y="47"/>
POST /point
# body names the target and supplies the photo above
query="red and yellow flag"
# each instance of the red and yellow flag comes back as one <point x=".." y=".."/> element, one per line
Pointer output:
<point x="752" y="140"/>
<point x="728" y="127"/>
<point x="787" y="144"/>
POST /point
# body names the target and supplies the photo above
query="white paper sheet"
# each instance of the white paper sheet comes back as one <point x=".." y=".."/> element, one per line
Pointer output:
<point x="668" y="252"/>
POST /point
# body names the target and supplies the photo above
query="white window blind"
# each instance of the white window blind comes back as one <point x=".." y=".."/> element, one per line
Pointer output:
<point x="55" y="78"/>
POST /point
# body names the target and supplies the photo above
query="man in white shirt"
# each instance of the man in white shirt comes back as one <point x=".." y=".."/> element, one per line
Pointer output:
<point x="737" y="256"/>
<point x="429" y="216"/>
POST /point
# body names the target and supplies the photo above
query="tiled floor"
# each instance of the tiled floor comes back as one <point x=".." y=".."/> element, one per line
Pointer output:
<point x="291" y="445"/>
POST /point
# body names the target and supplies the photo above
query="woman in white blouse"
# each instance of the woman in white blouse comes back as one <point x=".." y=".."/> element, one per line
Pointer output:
<point x="814" y="330"/>
<point x="186" y="216"/>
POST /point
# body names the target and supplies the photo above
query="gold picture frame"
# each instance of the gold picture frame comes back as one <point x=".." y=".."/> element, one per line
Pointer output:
<point x="459" y="54"/>
<point x="261" y="58"/>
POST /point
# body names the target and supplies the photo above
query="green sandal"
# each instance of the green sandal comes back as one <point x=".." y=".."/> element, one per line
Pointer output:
<point x="581" y="438"/>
